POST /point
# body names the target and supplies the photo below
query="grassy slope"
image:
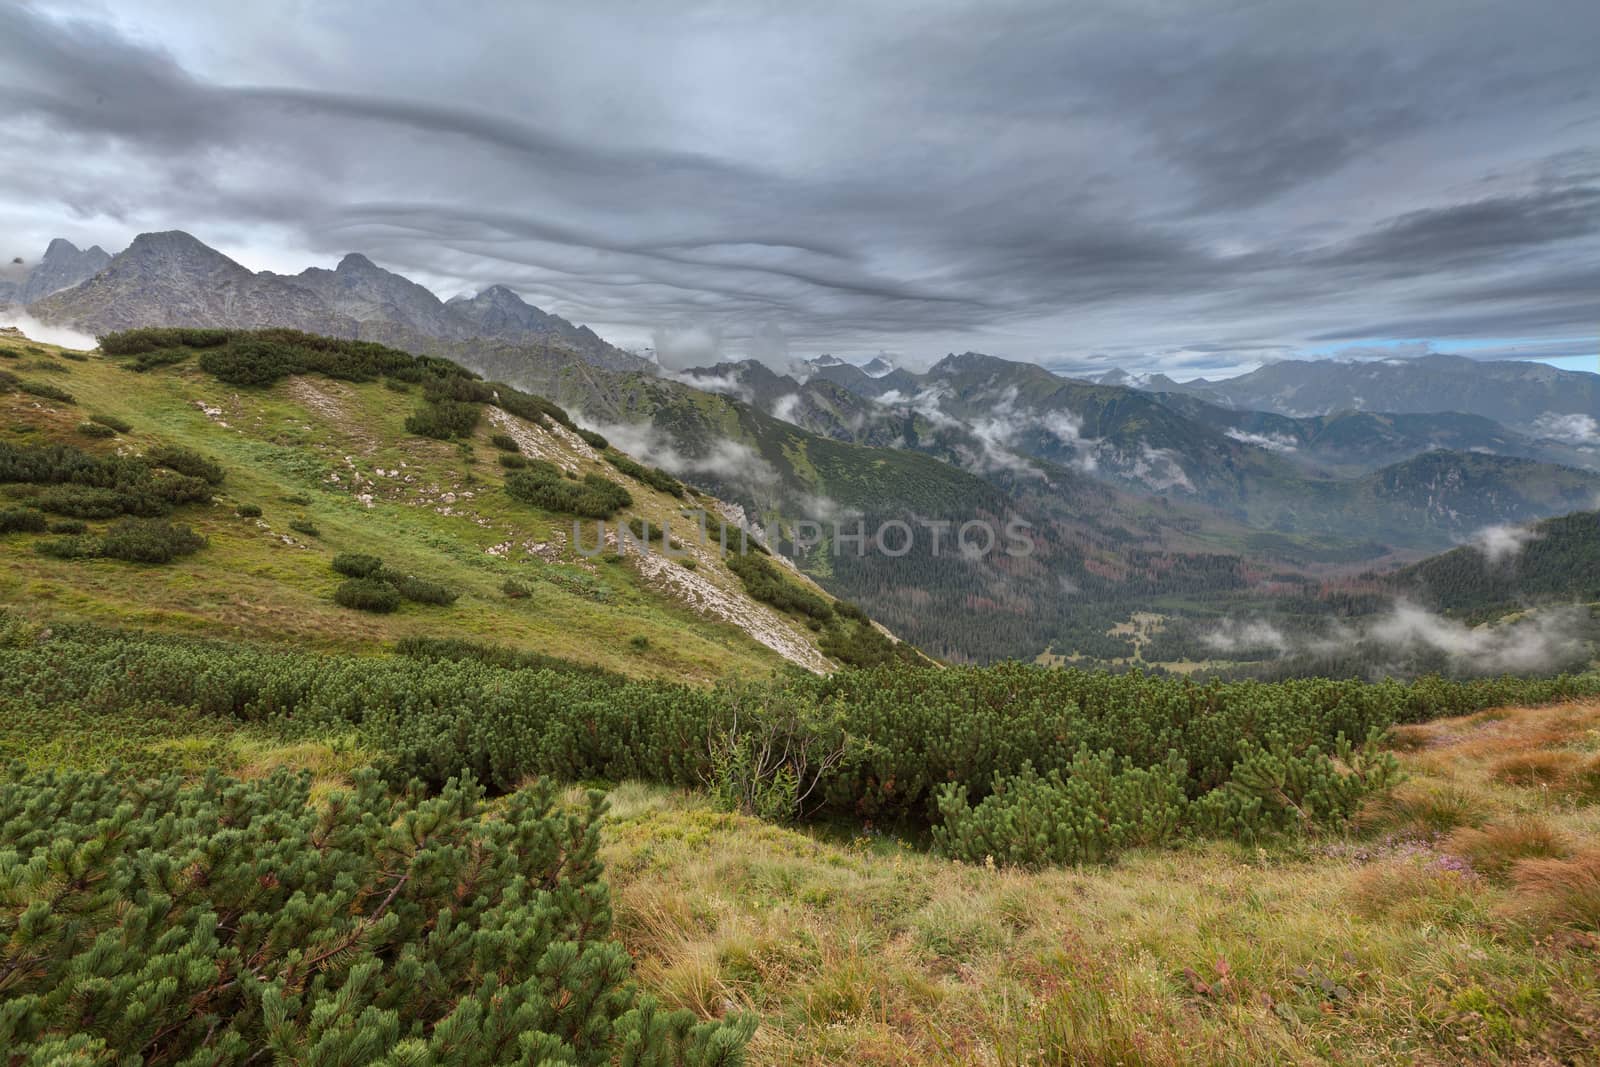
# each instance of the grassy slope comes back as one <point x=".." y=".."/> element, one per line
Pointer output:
<point x="1408" y="939"/>
<point x="259" y="579"/>
<point x="1404" y="941"/>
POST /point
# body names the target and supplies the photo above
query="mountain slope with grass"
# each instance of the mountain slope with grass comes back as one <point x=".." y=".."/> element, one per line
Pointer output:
<point x="308" y="466"/>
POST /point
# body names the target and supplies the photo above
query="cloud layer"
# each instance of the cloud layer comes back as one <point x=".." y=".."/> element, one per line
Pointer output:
<point x="1184" y="186"/>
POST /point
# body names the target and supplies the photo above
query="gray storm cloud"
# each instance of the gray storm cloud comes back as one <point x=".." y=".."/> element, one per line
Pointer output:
<point x="1181" y="185"/>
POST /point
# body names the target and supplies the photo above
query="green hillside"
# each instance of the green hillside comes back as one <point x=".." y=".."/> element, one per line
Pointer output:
<point x="333" y="467"/>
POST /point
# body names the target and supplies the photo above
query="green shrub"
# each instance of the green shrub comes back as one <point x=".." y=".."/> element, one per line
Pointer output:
<point x="149" y="361"/>
<point x="94" y="429"/>
<point x="858" y="643"/>
<point x="152" y="338"/>
<point x="639" y="643"/>
<point x="1081" y="816"/>
<point x="444" y="419"/>
<point x="248" y="511"/>
<point x="22" y="520"/>
<point x="512" y="461"/>
<point x="1273" y="787"/>
<point x="68" y="547"/>
<point x="305" y="526"/>
<point x="422" y="591"/>
<point x="367" y="594"/>
<point x="505" y="442"/>
<point x="763" y="581"/>
<point x="83" y="501"/>
<point x="88" y="486"/>
<point x="149" y="541"/>
<point x="188" y="462"/>
<point x="298" y="500"/>
<point x="543" y="486"/>
<point x="592" y="439"/>
<point x="516" y="588"/>
<point x="68" y="526"/>
<point x="455" y="650"/>
<point x="46" y="391"/>
<point x="357" y="564"/>
<point x="238" y="922"/>
<point x="651" y="476"/>
<point x="112" y="421"/>
<point x="1255" y="755"/>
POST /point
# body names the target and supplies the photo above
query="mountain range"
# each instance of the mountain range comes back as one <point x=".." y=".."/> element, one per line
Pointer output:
<point x="171" y="278"/>
<point x="1522" y="394"/>
<point x="1139" y="492"/>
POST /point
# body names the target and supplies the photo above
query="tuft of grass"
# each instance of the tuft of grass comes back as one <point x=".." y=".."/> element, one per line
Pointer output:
<point x="1423" y="808"/>
<point x="1415" y="889"/>
<point x="1540" y="767"/>
<point x="1496" y="848"/>
<point x="1561" y="892"/>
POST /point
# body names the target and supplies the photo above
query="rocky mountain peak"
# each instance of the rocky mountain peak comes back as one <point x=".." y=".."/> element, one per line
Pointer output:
<point x="62" y="266"/>
<point x="355" y="262"/>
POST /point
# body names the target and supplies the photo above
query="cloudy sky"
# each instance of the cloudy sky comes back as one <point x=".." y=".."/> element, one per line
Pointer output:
<point x="1188" y="186"/>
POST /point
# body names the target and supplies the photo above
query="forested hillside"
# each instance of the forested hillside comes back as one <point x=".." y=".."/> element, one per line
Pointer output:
<point x="1554" y="560"/>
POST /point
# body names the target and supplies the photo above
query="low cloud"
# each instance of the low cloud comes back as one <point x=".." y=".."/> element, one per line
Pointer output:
<point x="1544" y="640"/>
<point x="729" y="462"/>
<point x="1160" y="469"/>
<point x="50" y="335"/>
<point x="1246" y="636"/>
<point x="786" y="407"/>
<point x="1577" y="429"/>
<point x="1273" y="442"/>
<point x="726" y="384"/>
<point x="1502" y="542"/>
<point x="689" y="345"/>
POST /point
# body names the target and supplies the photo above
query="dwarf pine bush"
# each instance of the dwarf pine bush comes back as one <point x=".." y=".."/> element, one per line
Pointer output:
<point x="542" y="485"/>
<point x="654" y="477"/>
<point x="22" y="520"/>
<point x="898" y="742"/>
<point x="367" y="594"/>
<point x="1082" y="815"/>
<point x="356" y="564"/>
<point x="149" y="541"/>
<point x="228" y="922"/>
<point x="87" y="486"/>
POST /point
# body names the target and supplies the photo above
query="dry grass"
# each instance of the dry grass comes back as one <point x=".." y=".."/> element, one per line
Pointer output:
<point x="1494" y="849"/>
<point x="1424" y="937"/>
<point x="1564" y="892"/>
<point x="1547" y="769"/>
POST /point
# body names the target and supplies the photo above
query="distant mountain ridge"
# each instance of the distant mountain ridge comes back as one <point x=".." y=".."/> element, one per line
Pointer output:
<point x="1418" y="481"/>
<point x="1522" y="394"/>
<point x="172" y="278"/>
